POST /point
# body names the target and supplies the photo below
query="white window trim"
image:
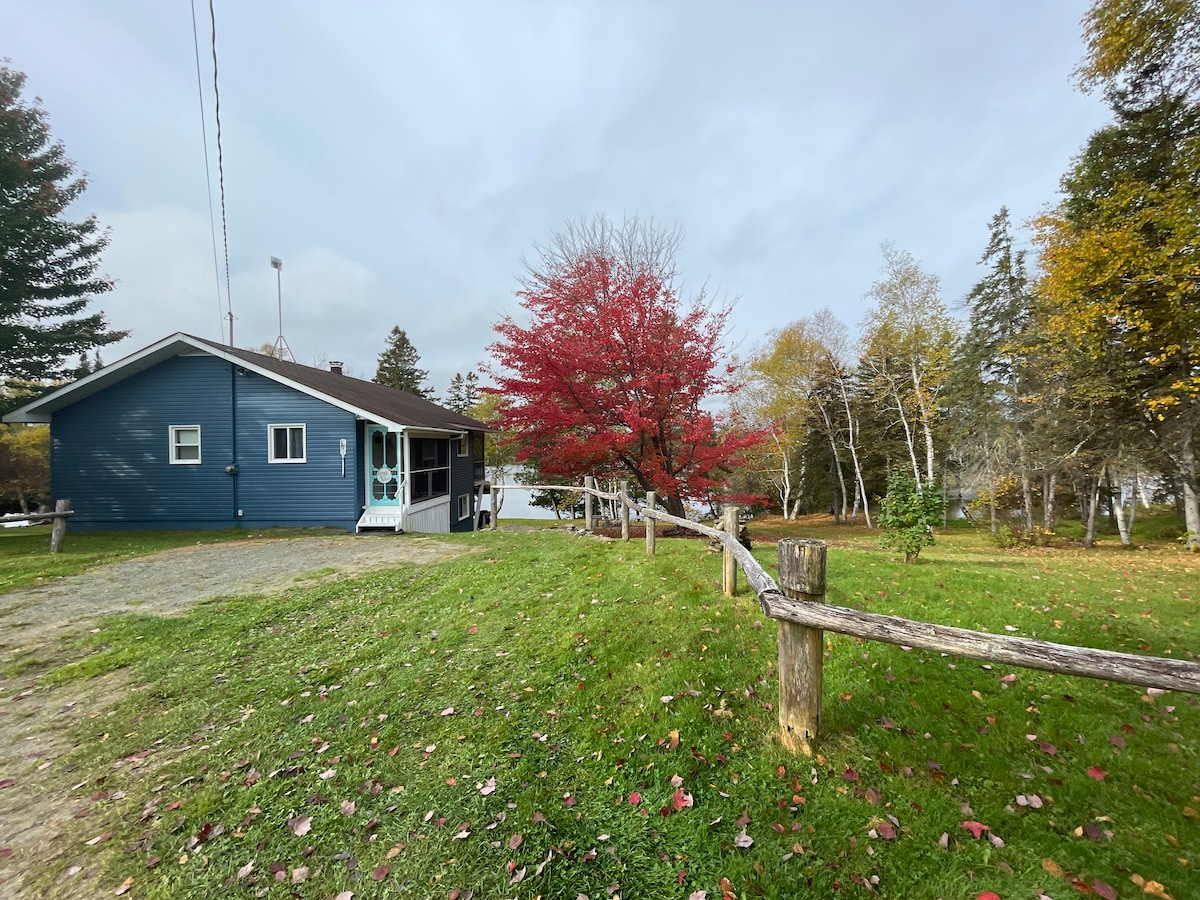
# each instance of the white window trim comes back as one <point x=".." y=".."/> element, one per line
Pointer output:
<point x="271" y="457"/>
<point x="461" y="498"/>
<point x="173" y="446"/>
<point x="464" y="446"/>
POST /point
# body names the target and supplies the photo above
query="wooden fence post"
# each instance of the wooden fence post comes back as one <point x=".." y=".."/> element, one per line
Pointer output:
<point x="494" y="510"/>
<point x="58" y="531"/>
<point x="588" y="483"/>
<point x="802" y="577"/>
<point x="729" y="569"/>
<point x="651" y="523"/>
<point x="624" y="511"/>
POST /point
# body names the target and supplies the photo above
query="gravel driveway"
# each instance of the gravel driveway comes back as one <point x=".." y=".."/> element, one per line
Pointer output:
<point x="168" y="582"/>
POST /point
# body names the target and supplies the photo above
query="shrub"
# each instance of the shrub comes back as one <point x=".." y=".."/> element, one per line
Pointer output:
<point x="908" y="514"/>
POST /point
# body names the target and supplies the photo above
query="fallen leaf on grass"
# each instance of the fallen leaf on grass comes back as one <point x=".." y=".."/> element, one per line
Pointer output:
<point x="635" y="798"/>
<point x="488" y="787"/>
<point x="125" y="886"/>
<point x="743" y="840"/>
<point x="518" y="876"/>
<point x="1097" y="773"/>
<point x="681" y="801"/>
<point x="245" y="870"/>
<point x="300" y="825"/>
<point x="886" y="830"/>
<point x="1053" y="868"/>
<point x="348" y="807"/>
<point x="1104" y="889"/>
<point x="379" y="873"/>
<point x="99" y="839"/>
<point x="976" y="828"/>
<point x="1153" y="888"/>
<point x="345" y="895"/>
<point x="300" y="875"/>
<point x="569" y="800"/>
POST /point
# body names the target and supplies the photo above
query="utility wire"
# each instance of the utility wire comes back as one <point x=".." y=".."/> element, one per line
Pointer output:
<point x="221" y="166"/>
<point x="212" y="219"/>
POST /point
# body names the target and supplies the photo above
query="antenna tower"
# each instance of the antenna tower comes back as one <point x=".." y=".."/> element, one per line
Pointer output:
<point x="281" y="348"/>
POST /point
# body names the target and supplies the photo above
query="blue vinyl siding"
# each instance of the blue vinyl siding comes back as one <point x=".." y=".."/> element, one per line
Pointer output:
<point x="110" y="455"/>
<point x="294" y="494"/>
<point x="462" y="481"/>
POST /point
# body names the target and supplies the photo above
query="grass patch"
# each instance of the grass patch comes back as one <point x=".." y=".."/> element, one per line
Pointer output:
<point x="553" y="716"/>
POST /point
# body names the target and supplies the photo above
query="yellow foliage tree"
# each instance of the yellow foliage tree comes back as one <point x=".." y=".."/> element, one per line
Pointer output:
<point x="1120" y="277"/>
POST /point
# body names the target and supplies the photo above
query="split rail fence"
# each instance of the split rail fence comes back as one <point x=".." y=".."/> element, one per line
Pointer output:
<point x="802" y="615"/>
<point x="58" y="531"/>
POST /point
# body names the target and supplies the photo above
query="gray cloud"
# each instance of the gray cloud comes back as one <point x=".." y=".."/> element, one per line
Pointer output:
<point x="400" y="158"/>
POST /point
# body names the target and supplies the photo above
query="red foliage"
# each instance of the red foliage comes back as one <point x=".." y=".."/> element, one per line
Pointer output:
<point x="611" y="376"/>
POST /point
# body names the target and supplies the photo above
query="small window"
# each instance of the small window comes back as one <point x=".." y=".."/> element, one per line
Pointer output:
<point x="185" y="445"/>
<point x="286" y="443"/>
<point x="464" y="506"/>
<point x="464" y="446"/>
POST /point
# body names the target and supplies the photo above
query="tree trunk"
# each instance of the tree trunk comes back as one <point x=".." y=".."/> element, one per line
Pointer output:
<point x="1123" y="524"/>
<point x="908" y="436"/>
<point x="1093" y="501"/>
<point x="1133" y="499"/>
<point x="785" y="475"/>
<point x="837" y="464"/>
<point x="926" y="421"/>
<point x="1191" y="493"/>
<point x="674" y="505"/>
<point x="1049" y="481"/>
<point x="1027" y="501"/>
<point x="991" y="480"/>
<point x="851" y="428"/>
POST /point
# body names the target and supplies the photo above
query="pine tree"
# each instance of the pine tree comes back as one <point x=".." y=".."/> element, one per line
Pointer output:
<point x="398" y="366"/>
<point x="49" y="265"/>
<point x="463" y="392"/>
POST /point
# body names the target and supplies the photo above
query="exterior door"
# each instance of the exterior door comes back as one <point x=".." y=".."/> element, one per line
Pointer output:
<point x="384" y="472"/>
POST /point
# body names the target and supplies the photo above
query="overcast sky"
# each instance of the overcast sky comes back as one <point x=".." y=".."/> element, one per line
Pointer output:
<point x="401" y="157"/>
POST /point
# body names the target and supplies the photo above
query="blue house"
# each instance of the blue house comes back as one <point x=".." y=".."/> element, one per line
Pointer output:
<point x="187" y="433"/>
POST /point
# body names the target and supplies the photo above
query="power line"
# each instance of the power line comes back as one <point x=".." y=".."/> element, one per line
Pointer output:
<point x="212" y="221"/>
<point x="221" y="167"/>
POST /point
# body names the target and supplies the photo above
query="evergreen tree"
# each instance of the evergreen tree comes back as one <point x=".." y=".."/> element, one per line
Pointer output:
<point x="398" y="366"/>
<point x="463" y="393"/>
<point x="49" y="265"/>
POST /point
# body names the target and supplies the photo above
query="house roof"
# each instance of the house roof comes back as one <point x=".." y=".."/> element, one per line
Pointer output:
<point x="374" y="402"/>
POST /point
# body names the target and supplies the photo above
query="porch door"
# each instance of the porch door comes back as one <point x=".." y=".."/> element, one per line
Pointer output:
<point x="384" y="472"/>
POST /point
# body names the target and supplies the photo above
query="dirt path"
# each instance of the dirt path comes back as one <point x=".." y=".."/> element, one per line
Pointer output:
<point x="36" y="801"/>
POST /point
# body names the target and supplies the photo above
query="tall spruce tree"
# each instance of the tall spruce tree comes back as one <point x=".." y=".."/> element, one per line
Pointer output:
<point x="49" y="264"/>
<point x="463" y="393"/>
<point x="398" y="366"/>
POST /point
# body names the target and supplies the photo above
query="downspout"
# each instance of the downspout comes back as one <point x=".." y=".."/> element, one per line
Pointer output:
<point x="232" y="468"/>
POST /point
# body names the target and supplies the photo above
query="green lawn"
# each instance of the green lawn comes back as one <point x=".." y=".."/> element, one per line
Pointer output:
<point x="553" y="716"/>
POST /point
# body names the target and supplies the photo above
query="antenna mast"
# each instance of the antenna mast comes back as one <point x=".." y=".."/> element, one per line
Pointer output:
<point x="281" y="348"/>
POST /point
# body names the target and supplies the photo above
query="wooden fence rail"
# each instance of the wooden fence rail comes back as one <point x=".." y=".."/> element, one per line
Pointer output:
<point x="803" y="616"/>
<point x="58" y="531"/>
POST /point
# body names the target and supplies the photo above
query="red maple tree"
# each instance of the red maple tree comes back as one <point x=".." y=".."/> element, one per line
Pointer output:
<point x="611" y="375"/>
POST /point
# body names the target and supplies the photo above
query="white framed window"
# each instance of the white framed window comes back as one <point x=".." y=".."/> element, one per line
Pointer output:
<point x="464" y="446"/>
<point x="287" y="443"/>
<point x="464" y="506"/>
<point x="184" y="445"/>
